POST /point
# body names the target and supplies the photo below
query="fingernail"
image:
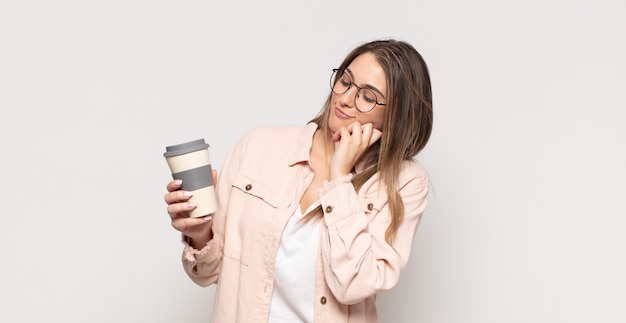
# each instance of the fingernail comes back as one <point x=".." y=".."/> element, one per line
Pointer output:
<point x="187" y="193"/>
<point x="178" y="181"/>
<point x="208" y="218"/>
<point x="193" y="205"/>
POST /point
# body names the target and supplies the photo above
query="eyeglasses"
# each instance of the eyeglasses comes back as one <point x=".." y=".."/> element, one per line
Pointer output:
<point x="365" y="100"/>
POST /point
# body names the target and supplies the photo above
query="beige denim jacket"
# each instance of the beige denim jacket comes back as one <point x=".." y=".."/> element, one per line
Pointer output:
<point x="259" y="186"/>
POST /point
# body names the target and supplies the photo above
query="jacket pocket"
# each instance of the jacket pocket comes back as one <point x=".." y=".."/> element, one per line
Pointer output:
<point x="255" y="189"/>
<point x="251" y="206"/>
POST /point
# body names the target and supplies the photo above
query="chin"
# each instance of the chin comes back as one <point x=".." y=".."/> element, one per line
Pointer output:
<point x="334" y="124"/>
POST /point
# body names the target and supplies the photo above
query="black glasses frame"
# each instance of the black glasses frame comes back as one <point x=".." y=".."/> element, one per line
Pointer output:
<point x="332" y="88"/>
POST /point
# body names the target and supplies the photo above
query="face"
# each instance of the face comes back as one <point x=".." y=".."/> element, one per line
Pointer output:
<point x="366" y="73"/>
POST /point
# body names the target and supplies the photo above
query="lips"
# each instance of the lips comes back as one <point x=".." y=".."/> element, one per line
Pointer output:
<point x="340" y="114"/>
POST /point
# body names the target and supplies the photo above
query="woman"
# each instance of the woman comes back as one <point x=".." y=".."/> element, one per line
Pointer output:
<point x="315" y="220"/>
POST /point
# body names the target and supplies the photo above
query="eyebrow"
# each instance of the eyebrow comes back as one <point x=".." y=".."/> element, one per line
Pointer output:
<point x="369" y="86"/>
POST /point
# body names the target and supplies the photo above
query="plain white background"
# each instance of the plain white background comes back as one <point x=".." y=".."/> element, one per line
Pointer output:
<point x="526" y="221"/>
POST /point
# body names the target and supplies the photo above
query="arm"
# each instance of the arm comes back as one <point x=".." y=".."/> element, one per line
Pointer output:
<point x="203" y="265"/>
<point x="357" y="260"/>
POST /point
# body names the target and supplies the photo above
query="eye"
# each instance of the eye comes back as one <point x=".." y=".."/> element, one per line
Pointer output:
<point x="369" y="96"/>
<point x="345" y="80"/>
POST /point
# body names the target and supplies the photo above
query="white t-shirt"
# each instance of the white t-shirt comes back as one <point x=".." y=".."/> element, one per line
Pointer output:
<point x="293" y="298"/>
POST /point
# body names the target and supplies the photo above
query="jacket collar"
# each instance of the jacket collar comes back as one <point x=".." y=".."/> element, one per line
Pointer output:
<point x="301" y="150"/>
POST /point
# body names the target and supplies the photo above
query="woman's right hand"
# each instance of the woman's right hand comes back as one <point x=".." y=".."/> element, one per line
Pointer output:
<point x="178" y="207"/>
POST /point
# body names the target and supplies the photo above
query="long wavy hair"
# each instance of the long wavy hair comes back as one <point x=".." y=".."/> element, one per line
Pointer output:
<point x="407" y="122"/>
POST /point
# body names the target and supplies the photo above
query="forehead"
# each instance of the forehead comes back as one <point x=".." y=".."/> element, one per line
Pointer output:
<point x="365" y="69"/>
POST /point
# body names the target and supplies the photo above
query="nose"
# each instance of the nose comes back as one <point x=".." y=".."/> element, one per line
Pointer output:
<point x="348" y="99"/>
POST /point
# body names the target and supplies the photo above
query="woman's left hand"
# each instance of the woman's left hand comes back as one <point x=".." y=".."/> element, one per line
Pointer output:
<point x="350" y="144"/>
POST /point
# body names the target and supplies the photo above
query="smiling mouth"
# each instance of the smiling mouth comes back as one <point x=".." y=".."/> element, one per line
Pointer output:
<point x="341" y="114"/>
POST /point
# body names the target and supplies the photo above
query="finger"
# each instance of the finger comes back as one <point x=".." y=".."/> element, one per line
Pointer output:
<point x="355" y="128"/>
<point x="357" y="133"/>
<point x="177" y="196"/>
<point x="337" y="135"/>
<point x="180" y="209"/>
<point x="184" y="224"/>
<point x="350" y="130"/>
<point x="214" y="173"/>
<point x="370" y="134"/>
<point x="376" y="135"/>
<point x="341" y="132"/>
<point x="174" y="185"/>
<point x="367" y="130"/>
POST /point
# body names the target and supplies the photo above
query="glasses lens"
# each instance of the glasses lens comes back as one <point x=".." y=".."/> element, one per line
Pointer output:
<point x="340" y="82"/>
<point x="365" y="100"/>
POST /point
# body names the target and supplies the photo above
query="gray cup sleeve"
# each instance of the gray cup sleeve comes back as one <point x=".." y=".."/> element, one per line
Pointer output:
<point x="195" y="178"/>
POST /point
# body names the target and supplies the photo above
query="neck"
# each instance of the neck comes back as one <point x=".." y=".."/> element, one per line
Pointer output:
<point x="322" y="149"/>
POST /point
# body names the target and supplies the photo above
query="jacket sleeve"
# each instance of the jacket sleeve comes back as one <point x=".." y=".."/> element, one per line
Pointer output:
<point x="357" y="261"/>
<point x="203" y="266"/>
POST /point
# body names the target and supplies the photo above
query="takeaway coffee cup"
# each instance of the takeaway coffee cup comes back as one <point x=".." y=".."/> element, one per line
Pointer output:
<point x="191" y="163"/>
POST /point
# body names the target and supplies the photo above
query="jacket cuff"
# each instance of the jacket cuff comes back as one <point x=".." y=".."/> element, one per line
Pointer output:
<point x="339" y="200"/>
<point x="192" y="254"/>
<point x="327" y="186"/>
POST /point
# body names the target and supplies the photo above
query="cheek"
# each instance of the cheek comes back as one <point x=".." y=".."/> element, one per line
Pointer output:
<point x="375" y="118"/>
<point x="378" y="124"/>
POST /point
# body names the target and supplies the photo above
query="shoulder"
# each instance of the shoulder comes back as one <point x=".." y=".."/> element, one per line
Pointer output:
<point x="412" y="176"/>
<point x="412" y="171"/>
<point x="271" y="138"/>
<point x="272" y="132"/>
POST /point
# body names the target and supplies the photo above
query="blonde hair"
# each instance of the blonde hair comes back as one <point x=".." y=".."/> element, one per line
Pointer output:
<point x="407" y="122"/>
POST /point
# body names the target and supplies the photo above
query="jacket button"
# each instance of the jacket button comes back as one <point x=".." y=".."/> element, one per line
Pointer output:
<point x="329" y="209"/>
<point x="323" y="300"/>
<point x="370" y="206"/>
<point x="248" y="187"/>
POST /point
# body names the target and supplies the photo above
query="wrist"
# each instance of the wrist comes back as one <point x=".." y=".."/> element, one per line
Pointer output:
<point x="334" y="175"/>
<point x="197" y="244"/>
